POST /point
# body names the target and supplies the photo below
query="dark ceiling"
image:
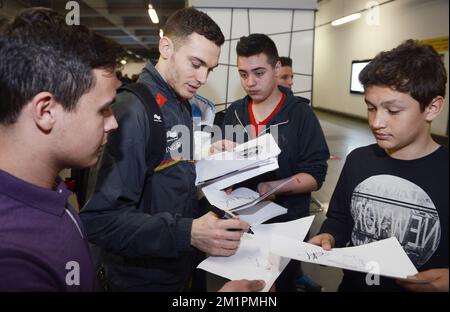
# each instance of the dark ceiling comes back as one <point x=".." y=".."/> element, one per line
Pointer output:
<point x="125" y="21"/>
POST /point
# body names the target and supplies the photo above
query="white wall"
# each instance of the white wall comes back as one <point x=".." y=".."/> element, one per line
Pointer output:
<point x="292" y="30"/>
<point x="336" y="47"/>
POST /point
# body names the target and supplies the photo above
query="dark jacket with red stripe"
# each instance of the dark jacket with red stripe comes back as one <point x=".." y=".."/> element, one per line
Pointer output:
<point x="144" y="225"/>
<point x="302" y="143"/>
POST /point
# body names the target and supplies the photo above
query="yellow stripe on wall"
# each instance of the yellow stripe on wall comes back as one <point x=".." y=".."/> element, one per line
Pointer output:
<point x="440" y="44"/>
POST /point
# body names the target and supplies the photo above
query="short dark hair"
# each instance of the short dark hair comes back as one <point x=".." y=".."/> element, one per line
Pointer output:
<point x="409" y="68"/>
<point x="186" y="21"/>
<point x="285" y="61"/>
<point x="256" y="44"/>
<point x="40" y="52"/>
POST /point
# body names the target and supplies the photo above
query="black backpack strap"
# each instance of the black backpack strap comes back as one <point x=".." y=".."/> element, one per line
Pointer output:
<point x="154" y="153"/>
<point x="157" y="142"/>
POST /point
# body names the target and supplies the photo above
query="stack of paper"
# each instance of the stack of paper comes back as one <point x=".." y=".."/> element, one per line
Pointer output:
<point x="260" y="212"/>
<point x="246" y="161"/>
<point x="247" y="204"/>
<point x="385" y="257"/>
<point x="265" y="254"/>
<point x="228" y="168"/>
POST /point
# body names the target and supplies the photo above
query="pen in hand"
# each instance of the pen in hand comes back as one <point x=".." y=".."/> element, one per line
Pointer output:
<point x="224" y="214"/>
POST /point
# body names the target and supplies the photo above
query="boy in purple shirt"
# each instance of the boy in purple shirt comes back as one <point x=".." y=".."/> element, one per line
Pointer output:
<point x="57" y="83"/>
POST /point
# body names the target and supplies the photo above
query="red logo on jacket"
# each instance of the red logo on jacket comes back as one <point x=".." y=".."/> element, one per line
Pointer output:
<point x="160" y="99"/>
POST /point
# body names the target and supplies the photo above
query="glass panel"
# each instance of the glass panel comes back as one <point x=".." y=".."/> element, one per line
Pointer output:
<point x="240" y="23"/>
<point x="214" y="89"/>
<point x="270" y="21"/>
<point x="302" y="52"/>
<point x="223" y="59"/>
<point x="303" y="20"/>
<point x="282" y="43"/>
<point x="235" y="90"/>
<point x="222" y="17"/>
<point x="301" y="83"/>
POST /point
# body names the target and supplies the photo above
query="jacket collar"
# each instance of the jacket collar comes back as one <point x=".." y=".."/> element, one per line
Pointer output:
<point x="153" y="78"/>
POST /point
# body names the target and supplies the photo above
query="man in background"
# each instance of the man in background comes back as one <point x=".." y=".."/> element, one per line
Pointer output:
<point x="285" y="76"/>
<point x="147" y="223"/>
<point x="268" y="106"/>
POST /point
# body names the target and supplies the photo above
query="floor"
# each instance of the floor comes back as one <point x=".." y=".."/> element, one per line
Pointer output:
<point x="343" y="134"/>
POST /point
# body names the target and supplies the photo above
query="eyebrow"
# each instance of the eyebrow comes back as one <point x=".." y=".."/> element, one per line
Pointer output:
<point x="258" y="68"/>
<point x="388" y="102"/>
<point x="199" y="60"/>
<point x="203" y="63"/>
<point x="252" y="70"/>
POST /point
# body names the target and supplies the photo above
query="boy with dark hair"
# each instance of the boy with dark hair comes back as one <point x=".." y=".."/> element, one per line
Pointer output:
<point x="146" y="222"/>
<point x="57" y="83"/>
<point x="399" y="186"/>
<point x="272" y="108"/>
<point x="285" y="76"/>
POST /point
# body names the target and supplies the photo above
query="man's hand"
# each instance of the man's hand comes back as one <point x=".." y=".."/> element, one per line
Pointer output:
<point x="222" y="146"/>
<point x="325" y="240"/>
<point x="243" y="286"/>
<point x="438" y="281"/>
<point x="264" y="187"/>
<point x="217" y="237"/>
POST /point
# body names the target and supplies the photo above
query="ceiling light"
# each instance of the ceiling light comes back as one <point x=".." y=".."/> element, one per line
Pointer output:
<point x="152" y="14"/>
<point x="346" y="19"/>
<point x="161" y="33"/>
<point x="123" y="62"/>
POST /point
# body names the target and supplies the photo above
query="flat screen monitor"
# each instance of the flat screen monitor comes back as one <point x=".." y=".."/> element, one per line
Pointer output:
<point x="355" y="85"/>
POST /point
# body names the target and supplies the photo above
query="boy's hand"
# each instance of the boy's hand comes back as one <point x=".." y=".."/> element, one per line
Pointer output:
<point x="243" y="286"/>
<point x="263" y="188"/>
<point x="222" y="146"/>
<point x="438" y="281"/>
<point x="325" y="240"/>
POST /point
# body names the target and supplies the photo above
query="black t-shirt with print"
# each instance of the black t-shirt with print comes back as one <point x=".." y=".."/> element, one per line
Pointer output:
<point x="378" y="196"/>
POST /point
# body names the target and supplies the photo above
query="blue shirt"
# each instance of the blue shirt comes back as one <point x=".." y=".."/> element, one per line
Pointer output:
<point x="43" y="246"/>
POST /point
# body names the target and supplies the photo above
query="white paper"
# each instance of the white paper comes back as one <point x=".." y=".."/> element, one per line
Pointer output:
<point x="256" y="214"/>
<point x="385" y="257"/>
<point x="210" y="168"/>
<point x="296" y="229"/>
<point x="253" y="259"/>
<point x="244" y="155"/>
<point x="261" y="212"/>
<point x="260" y="148"/>
<point x="225" y="201"/>
<point x="223" y="183"/>
<point x="264" y="196"/>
